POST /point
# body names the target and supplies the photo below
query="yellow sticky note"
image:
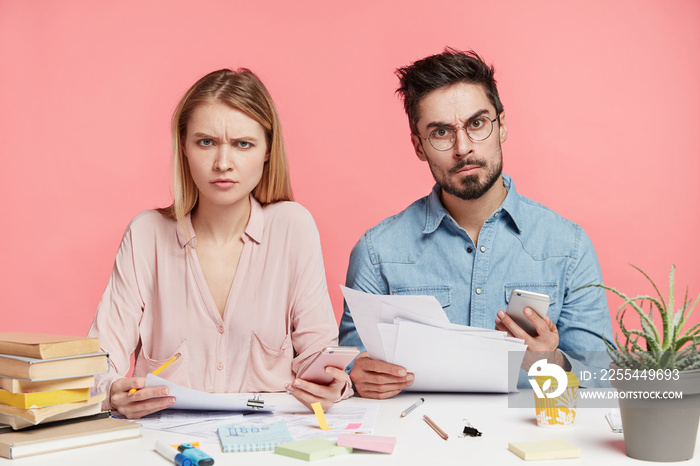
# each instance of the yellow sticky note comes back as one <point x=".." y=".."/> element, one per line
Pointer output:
<point x="544" y="450"/>
<point x="318" y="410"/>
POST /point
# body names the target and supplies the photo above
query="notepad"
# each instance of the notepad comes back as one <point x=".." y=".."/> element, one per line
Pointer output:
<point x="236" y="438"/>
<point x="311" y="449"/>
<point x="544" y="450"/>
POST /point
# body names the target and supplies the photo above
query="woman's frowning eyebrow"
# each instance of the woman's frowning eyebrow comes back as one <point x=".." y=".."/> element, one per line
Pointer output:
<point x="200" y="135"/>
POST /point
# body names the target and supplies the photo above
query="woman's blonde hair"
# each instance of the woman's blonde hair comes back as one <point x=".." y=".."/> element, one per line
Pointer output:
<point x="244" y="91"/>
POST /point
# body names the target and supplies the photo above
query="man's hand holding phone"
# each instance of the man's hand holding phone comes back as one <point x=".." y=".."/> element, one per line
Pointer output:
<point x="527" y="309"/>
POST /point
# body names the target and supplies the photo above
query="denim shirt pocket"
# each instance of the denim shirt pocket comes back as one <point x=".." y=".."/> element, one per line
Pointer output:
<point x="551" y="289"/>
<point x="441" y="293"/>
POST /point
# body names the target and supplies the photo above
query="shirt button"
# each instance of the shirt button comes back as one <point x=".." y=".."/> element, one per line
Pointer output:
<point x="220" y="366"/>
<point x="478" y="291"/>
<point x="496" y="214"/>
<point x="221" y="330"/>
<point x="483" y="249"/>
<point x="469" y="250"/>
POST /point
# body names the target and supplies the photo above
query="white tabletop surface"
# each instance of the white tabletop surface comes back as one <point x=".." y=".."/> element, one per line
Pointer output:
<point x="416" y="442"/>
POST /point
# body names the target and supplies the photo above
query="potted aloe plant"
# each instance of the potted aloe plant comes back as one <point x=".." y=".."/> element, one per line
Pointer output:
<point x="651" y="366"/>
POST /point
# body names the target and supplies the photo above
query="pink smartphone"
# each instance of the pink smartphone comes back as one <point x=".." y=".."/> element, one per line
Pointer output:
<point x="335" y="356"/>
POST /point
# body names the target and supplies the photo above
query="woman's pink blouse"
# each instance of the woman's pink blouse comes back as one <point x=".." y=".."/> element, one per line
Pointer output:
<point x="157" y="303"/>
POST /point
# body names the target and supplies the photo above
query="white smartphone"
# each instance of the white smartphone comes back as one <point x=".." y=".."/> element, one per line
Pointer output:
<point x="334" y="356"/>
<point x="519" y="300"/>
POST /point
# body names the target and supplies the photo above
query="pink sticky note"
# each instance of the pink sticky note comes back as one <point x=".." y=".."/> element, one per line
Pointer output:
<point x="353" y="426"/>
<point x="367" y="442"/>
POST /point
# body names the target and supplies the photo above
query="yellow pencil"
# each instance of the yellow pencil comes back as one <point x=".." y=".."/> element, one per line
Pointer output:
<point x="163" y="366"/>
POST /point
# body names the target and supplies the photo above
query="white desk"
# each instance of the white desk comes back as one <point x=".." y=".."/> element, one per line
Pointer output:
<point x="416" y="443"/>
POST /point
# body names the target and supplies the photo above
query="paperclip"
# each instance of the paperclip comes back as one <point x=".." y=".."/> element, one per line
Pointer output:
<point x="469" y="430"/>
<point x="256" y="402"/>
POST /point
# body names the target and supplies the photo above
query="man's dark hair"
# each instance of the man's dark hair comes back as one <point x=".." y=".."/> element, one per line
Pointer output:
<point x="436" y="71"/>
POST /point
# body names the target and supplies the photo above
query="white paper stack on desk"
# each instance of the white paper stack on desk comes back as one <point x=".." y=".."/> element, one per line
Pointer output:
<point x="414" y="332"/>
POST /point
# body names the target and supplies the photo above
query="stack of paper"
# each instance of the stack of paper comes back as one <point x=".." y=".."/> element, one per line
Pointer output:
<point x="414" y="332"/>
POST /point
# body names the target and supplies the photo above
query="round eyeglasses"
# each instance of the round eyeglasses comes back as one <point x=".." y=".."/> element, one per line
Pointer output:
<point x="445" y="137"/>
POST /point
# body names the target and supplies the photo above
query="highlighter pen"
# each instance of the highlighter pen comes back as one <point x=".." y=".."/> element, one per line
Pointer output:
<point x="412" y="407"/>
<point x="172" y="454"/>
<point x="198" y="457"/>
<point x="157" y="371"/>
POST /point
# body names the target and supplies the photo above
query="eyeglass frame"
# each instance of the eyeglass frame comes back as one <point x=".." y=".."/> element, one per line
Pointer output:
<point x="466" y="131"/>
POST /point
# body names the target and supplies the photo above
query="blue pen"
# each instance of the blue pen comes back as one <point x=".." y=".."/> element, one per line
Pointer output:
<point x="172" y="454"/>
<point x="197" y="456"/>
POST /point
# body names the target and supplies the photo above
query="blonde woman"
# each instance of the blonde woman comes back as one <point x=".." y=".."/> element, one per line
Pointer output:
<point x="230" y="275"/>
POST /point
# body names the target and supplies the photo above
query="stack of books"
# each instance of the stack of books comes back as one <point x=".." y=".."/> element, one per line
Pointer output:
<point x="45" y="394"/>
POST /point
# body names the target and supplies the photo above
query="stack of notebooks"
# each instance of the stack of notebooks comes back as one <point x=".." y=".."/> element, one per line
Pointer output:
<point x="46" y="403"/>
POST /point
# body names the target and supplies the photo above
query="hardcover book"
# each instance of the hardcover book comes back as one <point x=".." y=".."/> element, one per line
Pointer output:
<point x="22" y="367"/>
<point x="37" y="415"/>
<point x="29" y="386"/>
<point x="45" y="346"/>
<point x="4" y="428"/>
<point x="41" y="399"/>
<point x="64" y="437"/>
<point x="81" y="410"/>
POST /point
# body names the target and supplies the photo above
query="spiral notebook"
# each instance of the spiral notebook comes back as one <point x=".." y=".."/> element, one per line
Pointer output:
<point x="235" y="438"/>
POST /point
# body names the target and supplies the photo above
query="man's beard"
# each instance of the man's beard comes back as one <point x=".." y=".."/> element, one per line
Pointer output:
<point x="469" y="187"/>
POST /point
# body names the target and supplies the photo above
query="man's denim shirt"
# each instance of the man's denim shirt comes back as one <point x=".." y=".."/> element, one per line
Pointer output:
<point x="523" y="244"/>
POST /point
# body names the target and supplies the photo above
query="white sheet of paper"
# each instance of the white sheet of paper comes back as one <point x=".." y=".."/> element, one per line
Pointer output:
<point x="366" y="310"/>
<point x="448" y="361"/>
<point x="188" y="398"/>
<point x="391" y="312"/>
<point x="203" y="424"/>
<point x="388" y="333"/>
<point x="301" y="422"/>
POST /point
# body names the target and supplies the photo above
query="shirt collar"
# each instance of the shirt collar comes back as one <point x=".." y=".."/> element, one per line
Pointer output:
<point x="435" y="212"/>
<point x="254" y="229"/>
<point x="256" y="222"/>
<point x="182" y="237"/>
<point x="511" y="204"/>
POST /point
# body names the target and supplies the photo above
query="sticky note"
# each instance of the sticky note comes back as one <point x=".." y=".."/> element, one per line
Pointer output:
<point x="367" y="442"/>
<point x="318" y="410"/>
<point x="544" y="450"/>
<point x="311" y="449"/>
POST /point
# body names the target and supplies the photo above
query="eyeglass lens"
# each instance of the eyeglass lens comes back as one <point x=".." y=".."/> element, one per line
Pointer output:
<point x="477" y="129"/>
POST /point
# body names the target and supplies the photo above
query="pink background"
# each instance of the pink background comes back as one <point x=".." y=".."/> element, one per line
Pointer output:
<point x="602" y="102"/>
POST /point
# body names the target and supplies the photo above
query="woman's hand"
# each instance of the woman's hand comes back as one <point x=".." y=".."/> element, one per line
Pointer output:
<point x="309" y="392"/>
<point x="140" y="403"/>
